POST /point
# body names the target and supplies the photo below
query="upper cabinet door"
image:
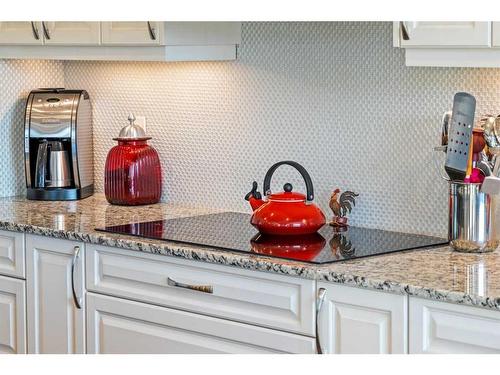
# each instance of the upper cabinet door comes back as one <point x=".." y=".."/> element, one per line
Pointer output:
<point x="21" y="33"/>
<point x="132" y="33"/>
<point x="71" y="33"/>
<point x="495" y="32"/>
<point x="445" y="34"/>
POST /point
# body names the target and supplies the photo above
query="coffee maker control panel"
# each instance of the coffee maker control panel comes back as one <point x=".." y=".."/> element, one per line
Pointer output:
<point x="51" y="115"/>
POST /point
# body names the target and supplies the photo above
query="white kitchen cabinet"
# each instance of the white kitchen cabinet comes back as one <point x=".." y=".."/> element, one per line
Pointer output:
<point x="449" y="44"/>
<point x="50" y="33"/>
<point x="132" y="33"/>
<point x="71" y="33"/>
<point x="440" y="327"/>
<point x="495" y="34"/>
<point x="354" y="320"/>
<point x="12" y="254"/>
<point x="259" y="298"/>
<point x="445" y="34"/>
<point x="117" y="326"/>
<point x="129" y="41"/>
<point x="12" y="316"/>
<point x="21" y="33"/>
<point x="55" y="295"/>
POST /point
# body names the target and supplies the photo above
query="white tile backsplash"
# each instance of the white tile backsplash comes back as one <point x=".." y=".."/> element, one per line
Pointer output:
<point x="334" y="96"/>
<point x="17" y="79"/>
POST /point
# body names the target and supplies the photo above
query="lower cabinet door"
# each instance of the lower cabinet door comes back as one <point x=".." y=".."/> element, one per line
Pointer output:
<point x="440" y="327"/>
<point x="121" y="326"/>
<point x="354" y="320"/>
<point x="55" y="295"/>
<point x="12" y="316"/>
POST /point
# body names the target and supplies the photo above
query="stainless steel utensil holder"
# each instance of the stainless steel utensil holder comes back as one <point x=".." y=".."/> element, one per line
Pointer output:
<point x="472" y="216"/>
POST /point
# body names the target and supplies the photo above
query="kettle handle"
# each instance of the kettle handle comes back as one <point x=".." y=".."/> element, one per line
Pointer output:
<point x="297" y="166"/>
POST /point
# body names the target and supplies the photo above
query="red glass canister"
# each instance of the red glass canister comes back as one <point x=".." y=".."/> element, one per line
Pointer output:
<point x="133" y="173"/>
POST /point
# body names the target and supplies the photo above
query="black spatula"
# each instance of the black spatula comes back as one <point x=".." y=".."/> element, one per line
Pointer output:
<point x="460" y="136"/>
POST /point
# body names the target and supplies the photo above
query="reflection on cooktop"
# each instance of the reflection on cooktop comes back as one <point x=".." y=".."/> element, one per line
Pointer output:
<point x="233" y="231"/>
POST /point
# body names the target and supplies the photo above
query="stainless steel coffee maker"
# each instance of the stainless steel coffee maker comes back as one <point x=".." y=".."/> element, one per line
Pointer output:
<point x="58" y="145"/>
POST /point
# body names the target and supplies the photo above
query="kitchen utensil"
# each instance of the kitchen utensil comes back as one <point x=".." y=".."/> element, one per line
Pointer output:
<point x="496" y="167"/>
<point x="460" y="136"/>
<point x="491" y="185"/>
<point x="478" y="141"/>
<point x="445" y="128"/>
<point x="132" y="173"/>
<point x="476" y="176"/>
<point x="477" y="146"/>
<point x="471" y="223"/>
<point x="488" y="124"/>
<point x="287" y="212"/>
<point x="484" y="167"/>
<point x="438" y="165"/>
<point x="469" y="161"/>
<point x="496" y="129"/>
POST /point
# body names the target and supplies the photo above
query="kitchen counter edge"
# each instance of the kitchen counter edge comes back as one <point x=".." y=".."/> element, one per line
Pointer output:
<point x="258" y="263"/>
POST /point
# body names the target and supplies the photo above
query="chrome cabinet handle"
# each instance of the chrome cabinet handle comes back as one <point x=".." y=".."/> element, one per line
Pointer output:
<point x="404" y="31"/>
<point x="200" y="288"/>
<point x="35" y="31"/>
<point x="152" y="32"/>
<point x="319" y="305"/>
<point x="76" y="255"/>
<point x="45" y="31"/>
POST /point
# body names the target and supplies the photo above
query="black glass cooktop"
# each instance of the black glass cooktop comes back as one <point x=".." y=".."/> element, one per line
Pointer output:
<point x="233" y="231"/>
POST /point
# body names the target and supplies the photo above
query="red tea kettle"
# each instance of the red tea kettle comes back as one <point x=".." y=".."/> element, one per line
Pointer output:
<point x="285" y="213"/>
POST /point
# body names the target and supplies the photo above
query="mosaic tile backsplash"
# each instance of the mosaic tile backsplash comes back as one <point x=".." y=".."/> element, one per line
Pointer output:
<point x="334" y="96"/>
<point x="17" y="79"/>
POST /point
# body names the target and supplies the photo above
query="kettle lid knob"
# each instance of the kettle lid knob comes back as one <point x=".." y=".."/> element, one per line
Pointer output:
<point x="288" y="187"/>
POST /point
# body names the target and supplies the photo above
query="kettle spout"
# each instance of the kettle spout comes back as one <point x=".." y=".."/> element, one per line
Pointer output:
<point x="254" y="197"/>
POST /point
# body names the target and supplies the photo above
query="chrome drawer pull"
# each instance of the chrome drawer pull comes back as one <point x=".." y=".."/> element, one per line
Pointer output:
<point x="404" y="31"/>
<point x="152" y="32"/>
<point x="319" y="305"/>
<point x="45" y="31"/>
<point x="200" y="288"/>
<point x="35" y="31"/>
<point x="76" y="255"/>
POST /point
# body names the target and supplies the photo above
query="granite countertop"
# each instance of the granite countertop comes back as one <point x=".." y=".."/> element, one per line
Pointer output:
<point x="437" y="273"/>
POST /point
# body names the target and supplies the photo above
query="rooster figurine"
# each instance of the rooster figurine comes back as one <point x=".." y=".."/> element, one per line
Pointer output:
<point x="341" y="204"/>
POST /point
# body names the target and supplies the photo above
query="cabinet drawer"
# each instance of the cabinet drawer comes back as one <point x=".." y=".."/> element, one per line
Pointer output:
<point x="268" y="300"/>
<point x="12" y="254"/>
<point x="12" y="316"/>
<point x="439" y="327"/>
<point x="120" y="326"/>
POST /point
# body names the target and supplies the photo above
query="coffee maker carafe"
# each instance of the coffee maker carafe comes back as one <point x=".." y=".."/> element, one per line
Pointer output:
<point x="52" y="165"/>
<point x="58" y="145"/>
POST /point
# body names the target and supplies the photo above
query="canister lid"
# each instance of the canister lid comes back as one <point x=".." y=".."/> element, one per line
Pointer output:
<point x="132" y="131"/>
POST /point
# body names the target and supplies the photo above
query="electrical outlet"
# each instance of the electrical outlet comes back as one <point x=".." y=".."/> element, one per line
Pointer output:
<point x="141" y="121"/>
